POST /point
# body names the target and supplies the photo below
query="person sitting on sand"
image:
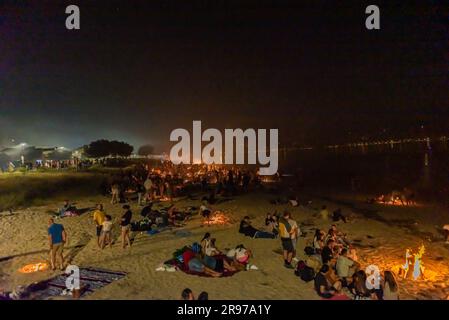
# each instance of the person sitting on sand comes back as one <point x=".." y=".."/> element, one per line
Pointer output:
<point x="324" y="214"/>
<point x="390" y="287"/>
<point x="206" y="248"/>
<point x="187" y="294"/>
<point x="106" y="232"/>
<point x="358" y="287"/>
<point x="67" y="209"/>
<point x="173" y="215"/>
<point x="205" y="210"/>
<point x="271" y="221"/>
<point x="446" y="232"/>
<point x="318" y="241"/>
<point x="192" y="261"/>
<point x="322" y="286"/>
<point x="240" y="256"/>
<point x="210" y="251"/>
<point x="99" y="219"/>
<point x="248" y="230"/>
<point x="203" y="296"/>
<point x="337" y="236"/>
<point x="346" y="267"/>
<point x="146" y="210"/>
<point x="337" y="215"/>
<point x="57" y="236"/>
<point x="125" y="223"/>
<point x="338" y="294"/>
<point x="327" y="254"/>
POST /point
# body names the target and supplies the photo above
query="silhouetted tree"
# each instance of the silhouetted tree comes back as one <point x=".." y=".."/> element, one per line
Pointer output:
<point x="145" y="150"/>
<point x="103" y="148"/>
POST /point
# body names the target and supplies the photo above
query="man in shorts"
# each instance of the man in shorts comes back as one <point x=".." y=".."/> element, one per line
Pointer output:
<point x="99" y="216"/>
<point x="285" y="232"/>
<point x="56" y="237"/>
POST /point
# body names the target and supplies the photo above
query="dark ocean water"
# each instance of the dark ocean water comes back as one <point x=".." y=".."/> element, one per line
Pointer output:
<point x="374" y="169"/>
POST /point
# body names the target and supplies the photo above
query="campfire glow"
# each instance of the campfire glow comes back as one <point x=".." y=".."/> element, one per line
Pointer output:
<point x="34" y="267"/>
<point x="218" y="218"/>
<point x="413" y="266"/>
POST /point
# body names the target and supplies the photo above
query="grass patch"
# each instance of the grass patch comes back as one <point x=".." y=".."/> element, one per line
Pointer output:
<point x="19" y="190"/>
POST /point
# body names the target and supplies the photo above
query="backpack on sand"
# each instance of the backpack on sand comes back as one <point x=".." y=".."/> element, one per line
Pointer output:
<point x="304" y="272"/>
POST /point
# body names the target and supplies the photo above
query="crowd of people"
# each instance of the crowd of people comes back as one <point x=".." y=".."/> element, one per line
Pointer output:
<point x="168" y="181"/>
<point x="332" y="261"/>
<point x="339" y="270"/>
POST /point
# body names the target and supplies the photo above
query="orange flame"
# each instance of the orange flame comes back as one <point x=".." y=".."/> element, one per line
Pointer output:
<point x="34" y="267"/>
<point x="218" y="218"/>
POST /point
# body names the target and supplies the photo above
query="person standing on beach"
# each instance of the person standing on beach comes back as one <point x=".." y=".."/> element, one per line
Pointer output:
<point x="294" y="235"/>
<point x="99" y="216"/>
<point x="57" y="236"/>
<point x="148" y="185"/>
<point x="285" y="232"/>
<point x="125" y="224"/>
<point x="115" y="190"/>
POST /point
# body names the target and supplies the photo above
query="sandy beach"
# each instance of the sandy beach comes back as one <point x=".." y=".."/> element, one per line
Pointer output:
<point x="380" y="233"/>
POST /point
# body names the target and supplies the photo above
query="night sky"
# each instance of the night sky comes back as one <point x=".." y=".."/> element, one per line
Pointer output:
<point x="138" y="69"/>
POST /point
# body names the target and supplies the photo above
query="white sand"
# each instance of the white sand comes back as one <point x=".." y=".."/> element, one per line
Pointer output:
<point x="23" y="235"/>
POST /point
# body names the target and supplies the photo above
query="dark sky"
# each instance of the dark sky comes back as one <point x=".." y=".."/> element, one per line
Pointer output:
<point x="138" y="69"/>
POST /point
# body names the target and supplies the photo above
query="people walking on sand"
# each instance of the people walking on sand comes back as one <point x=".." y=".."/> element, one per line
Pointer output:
<point x="285" y="233"/>
<point x="115" y="191"/>
<point x="106" y="232"/>
<point x="99" y="216"/>
<point x="57" y="236"/>
<point x="125" y="223"/>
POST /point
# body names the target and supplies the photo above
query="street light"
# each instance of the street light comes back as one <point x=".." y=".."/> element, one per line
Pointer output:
<point x="22" y="157"/>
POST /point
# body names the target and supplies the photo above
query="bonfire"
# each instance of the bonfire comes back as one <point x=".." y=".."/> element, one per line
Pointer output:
<point x="34" y="267"/>
<point x="413" y="266"/>
<point x="217" y="218"/>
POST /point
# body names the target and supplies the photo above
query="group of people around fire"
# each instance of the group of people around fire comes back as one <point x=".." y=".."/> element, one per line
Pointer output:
<point x="330" y="254"/>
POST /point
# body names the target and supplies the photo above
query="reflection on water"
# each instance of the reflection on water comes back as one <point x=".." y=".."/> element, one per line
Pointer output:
<point x="422" y="166"/>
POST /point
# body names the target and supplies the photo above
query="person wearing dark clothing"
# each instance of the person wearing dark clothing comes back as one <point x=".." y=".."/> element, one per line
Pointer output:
<point x="248" y="230"/>
<point x="337" y="216"/>
<point x="322" y="286"/>
<point x="125" y="223"/>
<point x="327" y="253"/>
<point x="146" y="210"/>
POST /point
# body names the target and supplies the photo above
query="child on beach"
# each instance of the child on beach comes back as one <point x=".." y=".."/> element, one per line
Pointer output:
<point x="106" y="232"/>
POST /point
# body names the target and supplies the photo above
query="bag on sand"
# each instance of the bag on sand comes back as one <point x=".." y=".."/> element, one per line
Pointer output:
<point x="313" y="263"/>
<point x="309" y="250"/>
<point x="304" y="272"/>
